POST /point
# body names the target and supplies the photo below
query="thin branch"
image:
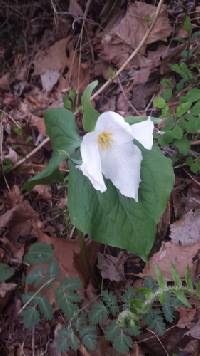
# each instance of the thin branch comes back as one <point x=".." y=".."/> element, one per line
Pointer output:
<point x="35" y="294"/>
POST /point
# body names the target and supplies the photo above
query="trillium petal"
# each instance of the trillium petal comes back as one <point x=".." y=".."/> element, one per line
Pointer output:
<point x="114" y="123"/>
<point x="121" y="164"/>
<point x="143" y="132"/>
<point x="91" y="166"/>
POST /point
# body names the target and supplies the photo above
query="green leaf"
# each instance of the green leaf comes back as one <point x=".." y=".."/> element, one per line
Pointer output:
<point x="31" y="317"/>
<point x="181" y="296"/>
<point x="195" y="110"/>
<point x="66" y="339"/>
<point x="187" y="25"/>
<point x="61" y="341"/>
<point x="176" y="277"/>
<point x="45" y="307"/>
<point x="115" y="220"/>
<point x="39" y="252"/>
<point x="183" y="70"/>
<point x="121" y="342"/>
<point x="161" y="280"/>
<point x="135" y="119"/>
<point x="159" y="102"/>
<point x="183" y="108"/>
<point x="188" y="278"/>
<point x="89" y="337"/>
<point x="53" y="269"/>
<point x="67" y="295"/>
<point x="192" y="95"/>
<point x="168" y="309"/>
<point x="98" y="313"/>
<point x="167" y="94"/>
<point x="154" y="320"/>
<point x="62" y="131"/>
<point x="5" y="272"/>
<point x="90" y="115"/>
<point x="36" y="276"/>
<point x="192" y="125"/>
<point x="111" y="302"/>
<point x="183" y="145"/>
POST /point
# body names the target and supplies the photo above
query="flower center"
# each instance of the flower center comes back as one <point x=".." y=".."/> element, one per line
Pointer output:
<point x="104" y="139"/>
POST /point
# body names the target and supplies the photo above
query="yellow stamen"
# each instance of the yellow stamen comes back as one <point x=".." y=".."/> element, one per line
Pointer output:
<point x="104" y="139"/>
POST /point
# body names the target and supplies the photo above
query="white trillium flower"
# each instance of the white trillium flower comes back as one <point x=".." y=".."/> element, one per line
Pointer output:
<point x="109" y="151"/>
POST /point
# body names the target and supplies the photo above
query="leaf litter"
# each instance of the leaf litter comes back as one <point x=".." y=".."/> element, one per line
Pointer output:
<point x="28" y="87"/>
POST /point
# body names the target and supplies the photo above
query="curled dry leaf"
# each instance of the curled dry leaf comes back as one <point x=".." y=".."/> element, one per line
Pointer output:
<point x="186" y="231"/>
<point x="111" y="267"/>
<point x="181" y="256"/>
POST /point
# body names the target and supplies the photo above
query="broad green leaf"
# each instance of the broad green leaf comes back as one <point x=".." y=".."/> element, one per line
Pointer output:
<point x="89" y="337"/>
<point x="193" y="124"/>
<point x="98" y="313"/>
<point x="195" y="110"/>
<point x="31" y="317"/>
<point x="5" y="272"/>
<point x="167" y="94"/>
<point x="90" y="115"/>
<point x="135" y="119"/>
<point x="62" y="131"/>
<point x="115" y="220"/>
<point x="39" y="252"/>
<point x="53" y="269"/>
<point x="159" y="102"/>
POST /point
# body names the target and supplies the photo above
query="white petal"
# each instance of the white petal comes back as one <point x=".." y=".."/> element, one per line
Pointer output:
<point x="91" y="166"/>
<point x="114" y="123"/>
<point x="121" y="164"/>
<point x="143" y="132"/>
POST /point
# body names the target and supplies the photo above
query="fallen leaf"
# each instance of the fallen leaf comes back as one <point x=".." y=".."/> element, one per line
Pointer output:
<point x="194" y="331"/>
<point x="186" y="316"/>
<point x="44" y="191"/>
<point x="53" y="58"/>
<point x="119" y="41"/>
<point x="4" y="82"/>
<point x="75" y="9"/>
<point x="180" y="256"/>
<point x="39" y="123"/>
<point x="5" y="288"/>
<point x="111" y="267"/>
<point x="49" y="79"/>
<point x="186" y="231"/>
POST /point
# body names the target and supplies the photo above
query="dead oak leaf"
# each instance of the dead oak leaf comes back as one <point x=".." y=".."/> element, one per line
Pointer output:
<point x="186" y="231"/>
<point x="111" y="267"/>
<point x="180" y="256"/>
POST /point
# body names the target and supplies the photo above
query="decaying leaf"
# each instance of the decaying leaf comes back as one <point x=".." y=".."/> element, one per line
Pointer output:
<point x="186" y="231"/>
<point x="186" y="316"/>
<point x="130" y="30"/>
<point x="181" y="256"/>
<point x="195" y="330"/>
<point x="111" y="267"/>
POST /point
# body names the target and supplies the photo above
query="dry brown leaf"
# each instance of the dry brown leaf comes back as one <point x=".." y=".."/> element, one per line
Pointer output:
<point x="5" y="82"/>
<point x="181" y="256"/>
<point x="5" y="288"/>
<point x="186" y="231"/>
<point x="136" y="22"/>
<point x="195" y="331"/>
<point x="75" y="9"/>
<point x="44" y="191"/>
<point x="49" y="79"/>
<point x="53" y="58"/>
<point x="119" y="41"/>
<point x="111" y="267"/>
<point x="12" y="155"/>
<point x="39" y="123"/>
<point x="186" y="316"/>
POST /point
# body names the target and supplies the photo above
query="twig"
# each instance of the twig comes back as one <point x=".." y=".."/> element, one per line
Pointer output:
<point x="126" y="98"/>
<point x="30" y="154"/>
<point x="160" y="342"/>
<point x="35" y="294"/>
<point x="105" y="85"/>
